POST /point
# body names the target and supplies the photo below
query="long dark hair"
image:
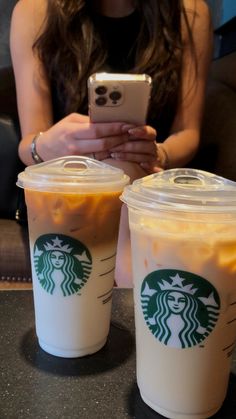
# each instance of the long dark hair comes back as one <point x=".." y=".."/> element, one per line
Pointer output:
<point x="71" y="49"/>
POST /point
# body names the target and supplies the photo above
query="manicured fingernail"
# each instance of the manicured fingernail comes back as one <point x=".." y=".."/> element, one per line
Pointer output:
<point x="136" y="131"/>
<point x="144" y="165"/>
<point x="127" y="127"/>
<point x="116" y="156"/>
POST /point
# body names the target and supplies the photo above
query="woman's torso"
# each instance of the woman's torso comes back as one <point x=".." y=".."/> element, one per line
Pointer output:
<point x="119" y="36"/>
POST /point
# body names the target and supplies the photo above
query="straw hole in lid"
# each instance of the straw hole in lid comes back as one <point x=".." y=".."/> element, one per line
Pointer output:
<point x="188" y="180"/>
<point x="75" y="166"/>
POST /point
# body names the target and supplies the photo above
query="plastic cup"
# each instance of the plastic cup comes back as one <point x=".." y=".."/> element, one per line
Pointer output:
<point x="73" y="210"/>
<point x="183" y="239"/>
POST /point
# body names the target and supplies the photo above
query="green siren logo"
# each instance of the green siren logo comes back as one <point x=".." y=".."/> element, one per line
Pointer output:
<point x="180" y="308"/>
<point x="62" y="264"/>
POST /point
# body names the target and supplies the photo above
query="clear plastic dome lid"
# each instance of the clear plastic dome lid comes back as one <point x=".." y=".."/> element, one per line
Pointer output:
<point x="72" y="174"/>
<point x="182" y="190"/>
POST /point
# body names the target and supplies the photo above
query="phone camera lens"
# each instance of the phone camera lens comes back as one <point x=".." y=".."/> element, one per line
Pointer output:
<point x="101" y="101"/>
<point x="101" y="90"/>
<point x="116" y="95"/>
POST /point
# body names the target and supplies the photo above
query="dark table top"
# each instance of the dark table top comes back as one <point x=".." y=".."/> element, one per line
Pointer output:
<point x="34" y="384"/>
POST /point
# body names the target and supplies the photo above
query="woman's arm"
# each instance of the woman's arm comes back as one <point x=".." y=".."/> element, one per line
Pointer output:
<point x="182" y="144"/>
<point x="33" y="95"/>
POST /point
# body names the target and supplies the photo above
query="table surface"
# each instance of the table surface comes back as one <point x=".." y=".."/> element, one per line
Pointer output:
<point x="34" y="384"/>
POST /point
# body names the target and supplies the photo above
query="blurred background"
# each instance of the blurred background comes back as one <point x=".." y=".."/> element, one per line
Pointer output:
<point x="224" y="21"/>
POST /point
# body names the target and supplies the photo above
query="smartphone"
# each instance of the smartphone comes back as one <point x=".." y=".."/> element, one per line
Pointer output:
<point x="119" y="97"/>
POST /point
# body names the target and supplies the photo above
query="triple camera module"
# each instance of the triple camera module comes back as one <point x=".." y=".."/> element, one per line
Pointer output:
<point x="109" y="95"/>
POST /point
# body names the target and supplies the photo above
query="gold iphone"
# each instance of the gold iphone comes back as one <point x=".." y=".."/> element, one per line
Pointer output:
<point x="119" y="97"/>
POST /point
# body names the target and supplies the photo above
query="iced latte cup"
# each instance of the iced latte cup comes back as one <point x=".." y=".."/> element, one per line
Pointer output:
<point x="73" y="215"/>
<point x="183" y="238"/>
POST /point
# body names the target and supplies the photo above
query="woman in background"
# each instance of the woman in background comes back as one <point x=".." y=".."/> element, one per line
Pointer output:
<point x="57" y="44"/>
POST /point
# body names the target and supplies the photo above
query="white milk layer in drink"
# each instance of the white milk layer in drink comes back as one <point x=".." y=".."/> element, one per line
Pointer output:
<point x="73" y="240"/>
<point x="73" y="209"/>
<point x="183" y="239"/>
<point x="184" y="285"/>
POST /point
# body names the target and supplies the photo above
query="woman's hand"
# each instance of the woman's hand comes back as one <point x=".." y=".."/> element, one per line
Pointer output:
<point x="75" y="135"/>
<point x="140" y="148"/>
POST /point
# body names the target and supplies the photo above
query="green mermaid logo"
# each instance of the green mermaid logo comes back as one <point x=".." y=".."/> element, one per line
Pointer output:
<point x="180" y="308"/>
<point x="62" y="264"/>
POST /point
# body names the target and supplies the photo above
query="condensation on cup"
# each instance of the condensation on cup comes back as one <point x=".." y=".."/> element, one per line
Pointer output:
<point x="183" y="239"/>
<point x="73" y="211"/>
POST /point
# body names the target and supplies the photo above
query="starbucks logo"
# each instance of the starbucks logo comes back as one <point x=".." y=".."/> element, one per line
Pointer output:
<point x="180" y="308"/>
<point x="62" y="264"/>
